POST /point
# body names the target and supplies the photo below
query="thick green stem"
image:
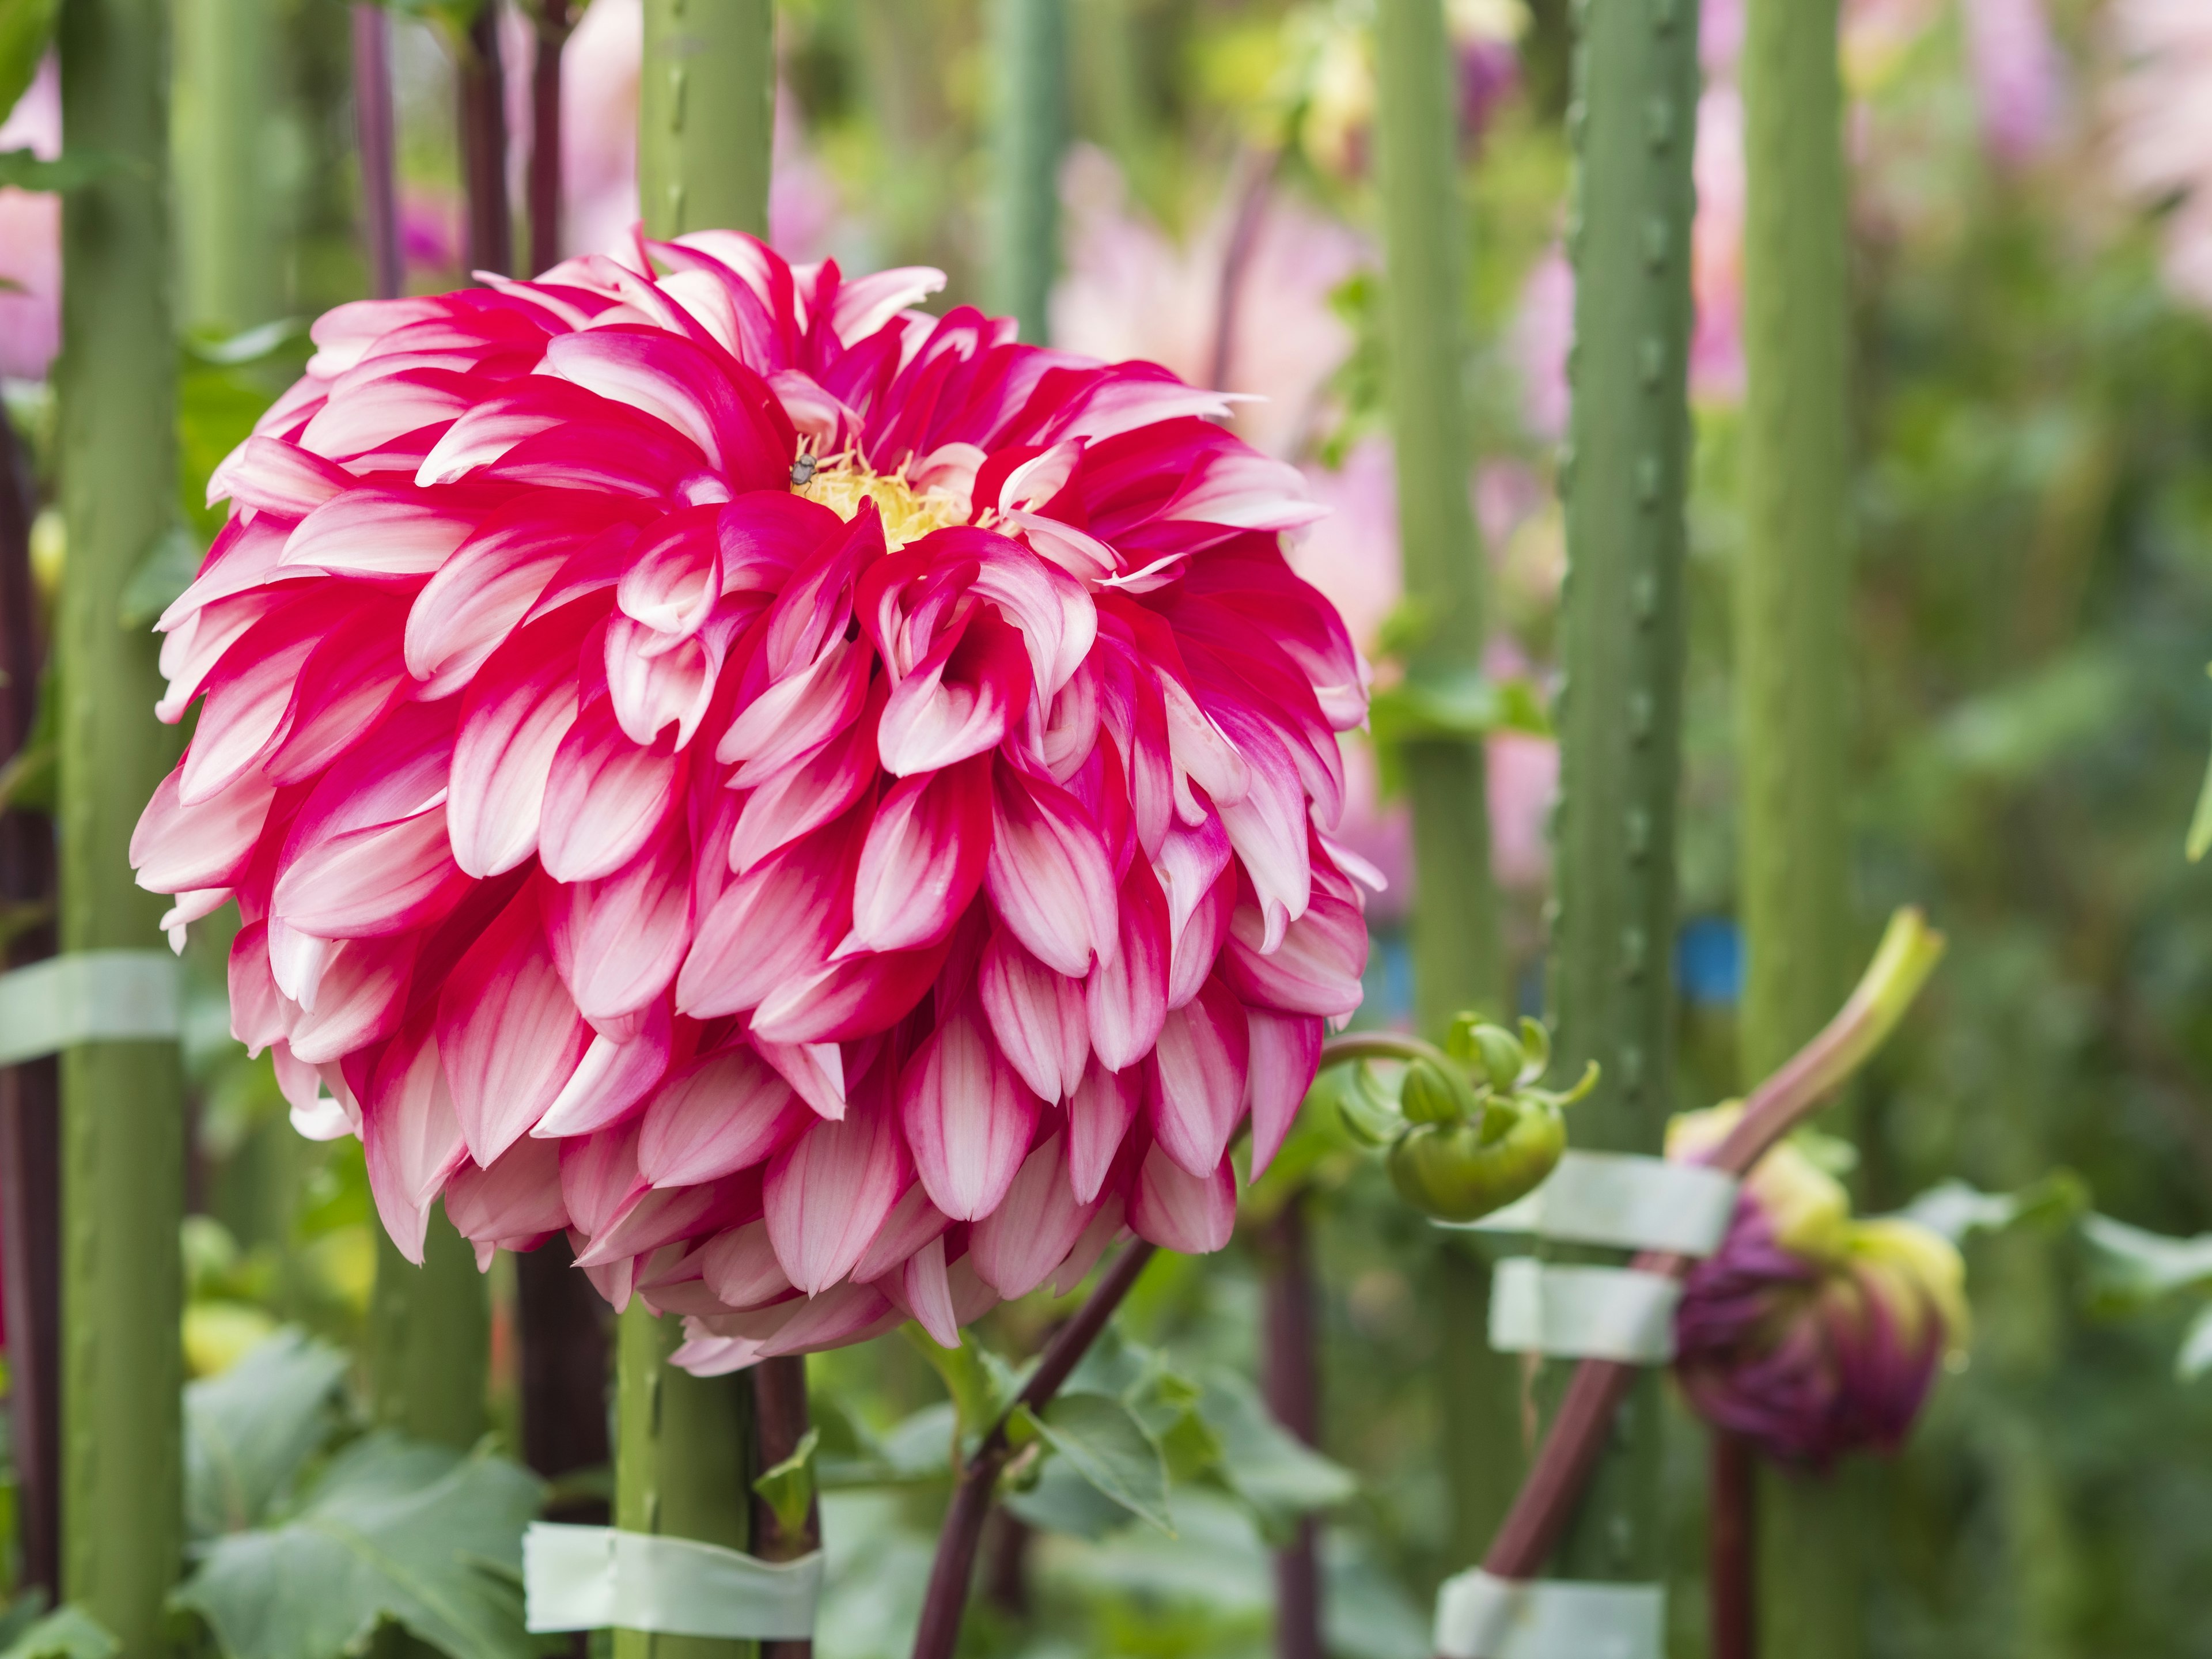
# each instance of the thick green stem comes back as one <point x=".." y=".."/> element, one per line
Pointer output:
<point x="1029" y="131"/>
<point x="1456" y="963"/>
<point x="1633" y="121"/>
<point x="1792" y="603"/>
<point x="430" y="1338"/>
<point x="706" y="121"/>
<point x="122" y="1144"/>
<point x="226" y="208"/>
<point x="705" y="115"/>
<point x="681" y="1465"/>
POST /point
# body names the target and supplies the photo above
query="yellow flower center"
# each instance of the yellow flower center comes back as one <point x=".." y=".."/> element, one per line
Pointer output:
<point x="908" y="514"/>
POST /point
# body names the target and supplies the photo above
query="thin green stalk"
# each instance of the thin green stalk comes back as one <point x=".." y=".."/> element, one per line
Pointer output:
<point x="681" y="1462"/>
<point x="705" y="115"/>
<point x="1792" y="600"/>
<point x="1456" y="964"/>
<point x="430" y="1338"/>
<point x="226" y="207"/>
<point x="1633" y="123"/>
<point x="123" y="1142"/>
<point x="706" y="120"/>
<point x="1029" y="50"/>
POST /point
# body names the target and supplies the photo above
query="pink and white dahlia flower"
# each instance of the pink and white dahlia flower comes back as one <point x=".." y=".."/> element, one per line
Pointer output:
<point x="826" y="806"/>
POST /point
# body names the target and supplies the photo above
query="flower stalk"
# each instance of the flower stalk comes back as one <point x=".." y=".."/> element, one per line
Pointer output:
<point x="1029" y="56"/>
<point x="123" y="1142"/>
<point x="373" y="137"/>
<point x="706" y="116"/>
<point x="479" y="85"/>
<point x="553" y="24"/>
<point x="1546" y="1503"/>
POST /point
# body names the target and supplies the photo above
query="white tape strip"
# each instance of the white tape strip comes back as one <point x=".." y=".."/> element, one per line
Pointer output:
<point x="87" y="996"/>
<point x="1623" y="1198"/>
<point x="1478" y="1617"/>
<point x="602" y="1578"/>
<point x="1583" y="1313"/>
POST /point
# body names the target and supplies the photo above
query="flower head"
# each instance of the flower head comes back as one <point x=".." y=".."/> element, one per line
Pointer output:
<point x="826" y="806"/>
<point x="1808" y="1332"/>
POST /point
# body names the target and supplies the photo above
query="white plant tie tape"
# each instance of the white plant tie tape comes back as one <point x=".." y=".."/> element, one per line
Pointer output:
<point x="87" y="996"/>
<point x="1583" y="1313"/>
<point x="1479" y="1617"/>
<point x="1626" y="1200"/>
<point x="604" y="1578"/>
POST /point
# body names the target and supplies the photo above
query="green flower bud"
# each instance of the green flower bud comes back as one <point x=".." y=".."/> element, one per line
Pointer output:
<point x="1500" y="1054"/>
<point x="1451" y="1171"/>
<point x="1432" y="1093"/>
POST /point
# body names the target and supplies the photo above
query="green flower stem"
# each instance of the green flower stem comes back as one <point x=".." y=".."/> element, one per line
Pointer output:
<point x="1456" y="958"/>
<point x="705" y="115"/>
<point x="123" y="1139"/>
<point x="1792" y="658"/>
<point x="1029" y="131"/>
<point x="430" y="1338"/>
<point x="1570" y="1455"/>
<point x="226" y="202"/>
<point x="705" y="119"/>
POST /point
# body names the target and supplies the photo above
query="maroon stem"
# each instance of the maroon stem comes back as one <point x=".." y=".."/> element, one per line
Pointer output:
<point x="1293" y="1393"/>
<point x="780" y="1423"/>
<point x="1731" y="1541"/>
<point x="1259" y="173"/>
<point x="563" y="1355"/>
<point x="545" y="135"/>
<point x="482" y="121"/>
<point x="1006" y="1564"/>
<point x="961" y="1534"/>
<point x="373" y="134"/>
<point x="30" y="1131"/>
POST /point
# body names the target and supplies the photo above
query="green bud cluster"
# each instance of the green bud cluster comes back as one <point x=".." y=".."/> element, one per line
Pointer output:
<point x="1467" y="1128"/>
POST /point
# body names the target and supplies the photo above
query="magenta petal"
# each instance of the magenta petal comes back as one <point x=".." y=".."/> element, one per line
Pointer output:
<point x="740" y="1267"/>
<point x="923" y="860"/>
<point x="411" y="1136"/>
<point x="513" y="1204"/>
<point x="967" y="1118"/>
<point x="913" y="1222"/>
<point x="508" y="1032"/>
<point x="1179" y="1211"/>
<point x="1197" y="1074"/>
<point x="177" y="847"/>
<point x="619" y="940"/>
<point x="927" y="1291"/>
<point x="1019" y="1244"/>
<point x="776" y="923"/>
<point x="1286" y="1051"/>
<point x="359" y="1001"/>
<point x="604" y="798"/>
<point x="1099" y="1114"/>
<point x="1049" y="877"/>
<point x="722" y="1113"/>
<point x="1036" y="1017"/>
<point x="829" y="1194"/>
<point x="611" y="1080"/>
<point x="1126" y="996"/>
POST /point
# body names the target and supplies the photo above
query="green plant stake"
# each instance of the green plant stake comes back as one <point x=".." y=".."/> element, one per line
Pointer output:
<point x="226" y="203"/>
<point x="1455" y="948"/>
<point x="1029" y="50"/>
<point x="1633" y="121"/>
<point x="1793" y="595"/>
<point x="706" y="117"/>
<point x="430" y="1338"/>
<point x="122" y="1125"/>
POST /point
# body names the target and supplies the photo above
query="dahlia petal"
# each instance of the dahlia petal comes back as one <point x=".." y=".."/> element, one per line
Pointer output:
<point x="843" y="1315"/>
<point x="260" y="1014"/>
<point x="1048" y="875"/>
<point x="410" y="1136"/>
<point x="612" y="1081"/>
<point x="1247" y="490"/>
<point x="1314" y="969"/>
<point x="358" y="1000"/>
<point x="508" y="1032"/>
<point x="672" y="578"/>
<point x="604" y="798"/>
<point x="1267" y="825"/>
<point x="816" y="1071"/>
<point x="958" y="702"/>
<point x="1199" y="938"/>
<point x="927" y="1293"/>
<point x="512" y="1204"/>
<point x="865" y="304"/>
<point x="1105" y="1225"/>
<point x="245" y="553"/>
<point x="1100" y="1110"/>
<point x="664" y="1214"/>
<point x="248" y="701"/>
<point x="366" y="883"/>
<point x="600" y="1178"/>
<point x="1285" y="1053"/>
<point x="350" y="682"/>
<point x="620" y="940"/>
<point x="740" y="1267"/>
<point x="1198" y="1076"/>
<point x="798" y="713"/>
<point x="923" y="858"/>
<point x="1036" y="1017"/>
<point x="176" y="847"/>
<point x="1017" y="1245"/>
<point x="724" y="1112"/>
<point x="778" y="920"/>
<point x="202" y="639"/>
<point x="810" y="792"/>
<point x="513" y="719"/>
<point x="655" y="682"/>
<point x="828" y="1194"/>
<point x="1179" y="1211"/>
<point x="267" y="475"/>
<point x="967" y="1118"/>
<point x="296" y="961"/>
<point x="1203" y="754"/>
<point x="1127" y="995"/>
<point x="370" y="414"/>
<point x="731" y="417"/>
<point x="856" y="997"/>
<point x="913" y="1222"/>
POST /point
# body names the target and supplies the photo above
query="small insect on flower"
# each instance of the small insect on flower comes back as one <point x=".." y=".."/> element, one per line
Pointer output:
<point x="824" y="804"/>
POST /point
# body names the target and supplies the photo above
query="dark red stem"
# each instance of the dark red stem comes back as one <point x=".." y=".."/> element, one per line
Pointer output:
<point x="961" y="1534"/>
<point x="563" y="1361"/>
<point x="1292" y="1386"/>
<point x="545" y="135"/>
<point x="30" y="1125"/>
<point x="483" y="122"/>
<point x="374" y="135"/>
<point x="780" y="1423"/>
<point x="1732" y="1560"/>
<point x="1259" y="173"/>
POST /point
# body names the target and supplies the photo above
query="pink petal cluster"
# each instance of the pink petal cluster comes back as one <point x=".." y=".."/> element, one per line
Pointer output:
<point x="31" y="237"/>
<point x="2160" y="109"/>
<point x="822" y="803"/>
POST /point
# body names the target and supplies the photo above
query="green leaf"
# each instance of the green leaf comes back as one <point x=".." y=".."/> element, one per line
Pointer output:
<point x="26" y="28"/>
<point x="789" y="1488"/>
<point x="393" y="1530"/>
<point x="2194" y="1358"/>
<point x="68" y="1633"/>
<point x="1062" y="1501"/>
<point x="248" y="1431"/>
<point x="2135" y="1268"/>
<point x="229" y="351"/>
<point x="164" y="570"/>
<point x="1104" y="1443"/>
<point x="1957" y="1211"/>
<point x="1262" y="1462"/>
<point x="981" y="1384"/>
<point x="24" y="169"/>
<point x="1464" y="704"/>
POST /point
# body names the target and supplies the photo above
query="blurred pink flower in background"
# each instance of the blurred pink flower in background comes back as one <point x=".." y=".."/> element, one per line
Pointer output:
<point x="2019" y="77"/>
<point x="1717" y="248"/>
<point x="429" y="230"/>
<point x="31" y="238"/>
<point x="1335" y="74"/>
<point x="1129" y="291"/>
<point x="2161" y="112"/>
<point x="1543" y="331"/>
<point x="599" y="145"/>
